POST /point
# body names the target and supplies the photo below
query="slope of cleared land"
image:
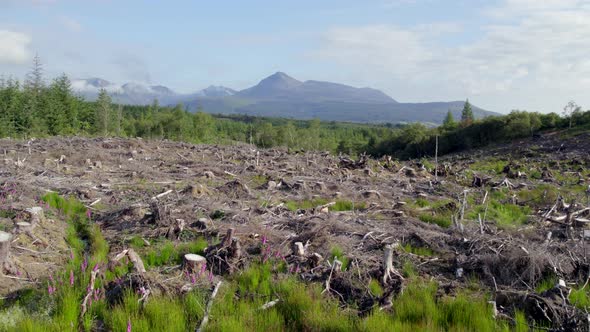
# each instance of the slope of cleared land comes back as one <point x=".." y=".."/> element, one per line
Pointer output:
<point x="292" y="241"/>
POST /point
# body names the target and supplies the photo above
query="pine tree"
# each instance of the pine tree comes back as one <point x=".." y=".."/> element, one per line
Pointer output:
<point x="34" y="88"/>
<point x="119" y="120"/>
<point x="103" y="112"/>
<point x="467" y="114"/>
<point x="449" y="122"/>
<point x="62" y="107"/>
<point x="10" y="108"/>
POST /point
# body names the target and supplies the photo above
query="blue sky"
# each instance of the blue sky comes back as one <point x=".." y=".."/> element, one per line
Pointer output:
<point x="502" y="55"/>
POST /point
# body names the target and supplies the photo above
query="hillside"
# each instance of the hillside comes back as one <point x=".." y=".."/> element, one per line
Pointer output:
<point x="280" y="95"/>
<point x="346" y="242"/>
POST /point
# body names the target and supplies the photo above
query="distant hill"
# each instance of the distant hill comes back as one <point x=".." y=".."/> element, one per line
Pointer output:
<point x="142" y="94"/>
<point x="280" y="95"/>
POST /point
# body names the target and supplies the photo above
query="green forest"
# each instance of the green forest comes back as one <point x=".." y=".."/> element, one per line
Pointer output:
<point x="33" y="108"/>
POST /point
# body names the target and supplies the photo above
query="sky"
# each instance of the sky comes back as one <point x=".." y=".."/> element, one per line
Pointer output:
<point x="503" y="55"/>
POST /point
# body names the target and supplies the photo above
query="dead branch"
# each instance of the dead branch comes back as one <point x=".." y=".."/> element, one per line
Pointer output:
<point x="209" y="306"/>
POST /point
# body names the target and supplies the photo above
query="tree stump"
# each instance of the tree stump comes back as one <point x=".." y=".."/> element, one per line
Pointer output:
<point x="194" y="262"/>
<point x="315" y="259"/>
<point x="5" y="240"/>
<point x="224" y="257"/>
<point x="388" y="269"/>
<point x="23" y="226"/>
<point x="298" y="249"/>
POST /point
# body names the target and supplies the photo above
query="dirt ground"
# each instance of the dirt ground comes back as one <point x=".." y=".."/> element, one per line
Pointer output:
<point x="155" y="189"/>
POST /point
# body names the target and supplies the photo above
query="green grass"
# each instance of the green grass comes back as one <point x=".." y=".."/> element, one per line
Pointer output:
<point x="421" y="202"/>
<point x="490" y="166"/>
<point x="427" y="163"/>
<point x="420" y="251"/>
<point x="337" y="252"/>
<point x="375" y="288"/>
<point x="136" y="242"/>
<point x="408" y="269"/>
<point x="442" y="220"/>
<point x="541" y="196"/>
<point x="343" y="205"/>
<point x="302" y="307"/>
<point x="340" y="205"/>
<point x="60" y="311"/>
<point x="580" y="298"/>
<point x="546" y="284"/>
<point x="167" y="253"/>
<point x="504" y="215"/>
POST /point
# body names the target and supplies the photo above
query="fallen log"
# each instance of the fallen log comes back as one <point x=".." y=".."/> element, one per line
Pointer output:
<point x="133" y="257"/>
<point x="89" y="293"/>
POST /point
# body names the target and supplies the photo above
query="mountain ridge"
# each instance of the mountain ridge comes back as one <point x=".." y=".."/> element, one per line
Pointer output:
<point x="280" y="95"/>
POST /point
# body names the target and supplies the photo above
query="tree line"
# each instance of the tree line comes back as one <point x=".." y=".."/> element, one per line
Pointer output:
<point x="36" y="109"/>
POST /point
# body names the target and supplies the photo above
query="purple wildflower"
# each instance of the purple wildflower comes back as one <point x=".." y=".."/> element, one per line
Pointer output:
<point x="84" y="264"/>
<point x="71" y="277"/>
<point x="203" y="269"/>
<point x="264" y="239"/>
<point x="128" y="325"/>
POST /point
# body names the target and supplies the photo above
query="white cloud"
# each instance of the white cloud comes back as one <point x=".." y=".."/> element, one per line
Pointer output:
<point x="539" y="46"/>
<point x="14" y="47"/>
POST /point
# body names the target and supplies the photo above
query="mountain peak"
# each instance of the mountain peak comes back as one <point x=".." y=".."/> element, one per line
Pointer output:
<point x="216" y="91"/>
<point x="281" y="75"/>
<point x="281" y="80"/>
<point x="275" y="84"/>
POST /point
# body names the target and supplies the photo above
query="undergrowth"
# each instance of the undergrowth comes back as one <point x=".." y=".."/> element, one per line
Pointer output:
<point x="238" y="306"/>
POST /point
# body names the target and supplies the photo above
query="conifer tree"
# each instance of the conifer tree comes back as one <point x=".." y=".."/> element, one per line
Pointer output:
<point x="449" y="121"/>
<point x="103" y="112"/>
<point x="467" y="114"/>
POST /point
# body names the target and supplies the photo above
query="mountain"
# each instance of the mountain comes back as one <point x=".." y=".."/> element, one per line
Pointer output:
<point x="280" y="95"/>
<point x="281" y="86"/>
<point x="278" y="85"/>
<point x="142" y="94"/>
<point x="216" y="91"/>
